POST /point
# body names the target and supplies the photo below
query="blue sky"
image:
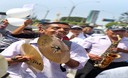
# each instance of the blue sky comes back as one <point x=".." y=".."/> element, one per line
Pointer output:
<point x="108" y="8"/>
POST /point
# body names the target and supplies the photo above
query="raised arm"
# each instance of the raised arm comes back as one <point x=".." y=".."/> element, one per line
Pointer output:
<point x="21" y="28"/>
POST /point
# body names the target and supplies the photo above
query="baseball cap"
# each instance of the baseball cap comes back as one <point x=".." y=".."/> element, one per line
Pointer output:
<point x="88" y="25"/>
<point x="115" y="28"/>
<point x="76" y="26"/>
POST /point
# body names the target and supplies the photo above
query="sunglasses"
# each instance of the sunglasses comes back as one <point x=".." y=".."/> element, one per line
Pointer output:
<point x="76" y="29"/>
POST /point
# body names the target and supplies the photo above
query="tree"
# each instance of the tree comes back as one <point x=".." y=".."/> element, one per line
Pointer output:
<point x="124" y="18"/>
<point x="111" y="24"/>
<point x="115" y="23"/>
<point x="74" y="20"/>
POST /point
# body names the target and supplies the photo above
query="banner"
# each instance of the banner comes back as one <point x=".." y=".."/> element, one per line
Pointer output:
<point x="92" y="17"/>
<point x="108" y="20"/>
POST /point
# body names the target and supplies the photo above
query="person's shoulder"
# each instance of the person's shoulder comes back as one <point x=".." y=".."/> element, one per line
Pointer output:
<point x="35" y="40"/>
<point x="125" y="38"/>
<point x="96" y="37"/>
<point x="89" y="38"/>
<point x="92" y="39"/>
<point x="4" y="31"/>
<point x="67" y="42"/>
<point x="76" y="39"/>
<point x="18" y="42"/>
<point x="74" y="44"/>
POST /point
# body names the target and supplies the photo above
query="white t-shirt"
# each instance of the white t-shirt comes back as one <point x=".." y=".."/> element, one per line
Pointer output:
<point x="51" y="69"/>
<point x="96" y="44"/>
<point x="99" y="44"/>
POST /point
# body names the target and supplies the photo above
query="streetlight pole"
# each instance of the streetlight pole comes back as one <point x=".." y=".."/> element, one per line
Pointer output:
<point x="73" y="7"/>
<point x="47" y="12"/>
<point x="71" y="11"/>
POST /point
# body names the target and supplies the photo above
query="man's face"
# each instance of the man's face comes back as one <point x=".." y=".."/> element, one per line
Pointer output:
<point x="4" y="24"/>
<point x="115" y="33"/>
<point x="119" y="32"/>
<point x="76" y="31"/>
<point x="111" y="33"/>
<point x="58" y="30"/>
<point x="87" y="30"/>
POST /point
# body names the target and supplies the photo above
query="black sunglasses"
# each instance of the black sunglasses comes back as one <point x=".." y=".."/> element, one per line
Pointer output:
<point x="76" y="29"/>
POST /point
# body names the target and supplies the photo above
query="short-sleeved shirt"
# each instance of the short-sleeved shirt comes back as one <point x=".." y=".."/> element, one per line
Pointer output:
<point x="120" y="72"/>
<point x="96" y="44"/>
<point x="80" y="38"/>
<point x="7" y="38"/>
<point x="124" y="45"/>
<point x="51" y="69"/>
<point x="99" y="44"/>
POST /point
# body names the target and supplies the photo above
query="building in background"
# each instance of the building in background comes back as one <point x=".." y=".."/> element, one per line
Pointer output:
<point x="92" y="17"/>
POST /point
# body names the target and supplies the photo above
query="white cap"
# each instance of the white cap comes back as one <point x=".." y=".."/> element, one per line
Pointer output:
<point x="76" y="26"/>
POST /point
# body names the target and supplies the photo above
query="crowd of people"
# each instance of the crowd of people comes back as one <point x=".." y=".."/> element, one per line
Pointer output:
<point x="85" y="50"/>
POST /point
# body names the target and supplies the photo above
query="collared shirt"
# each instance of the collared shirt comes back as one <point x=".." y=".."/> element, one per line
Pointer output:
<point x="83" y="36"/>
<point x="13" y="50"/>
<point x="7" y="39"/>
<point x="120" y="72"/>
<point x="80" y="38"/>
<point x="123" y="44"/>
<point x="51" y="69"/>
<point x="97" y="44"/>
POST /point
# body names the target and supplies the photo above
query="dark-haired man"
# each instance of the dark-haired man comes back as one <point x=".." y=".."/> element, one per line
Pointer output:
<point x="51" y="69"/>
<point x="74" y="31"/>
<point x="96" y="46"/>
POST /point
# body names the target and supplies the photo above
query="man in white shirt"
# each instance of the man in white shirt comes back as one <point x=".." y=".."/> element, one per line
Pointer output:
<point x="87" y="31"/>
<point x="74" y="31"/>
<point x="9" y="37"/>
<point x="18" y="69"/>
<point x="119" y="72"/>
<point x="96" y="46"/>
